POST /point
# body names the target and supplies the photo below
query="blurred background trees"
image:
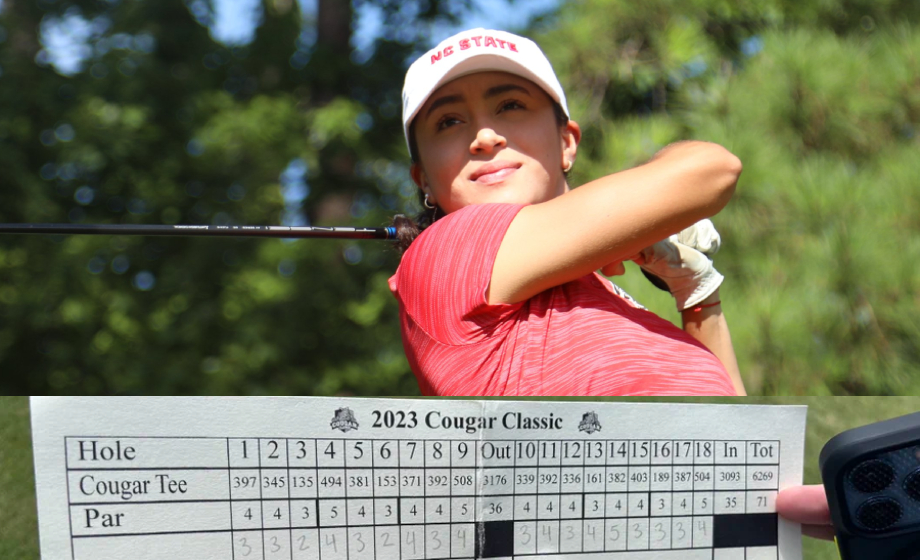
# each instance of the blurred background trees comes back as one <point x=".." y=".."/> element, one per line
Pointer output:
<point x="153" y="120"/>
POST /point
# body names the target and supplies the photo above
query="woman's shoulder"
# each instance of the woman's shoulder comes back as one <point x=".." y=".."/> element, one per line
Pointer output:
<point x="443" y="277"/>
<point x="469" y="227"/>
<point x="461" y="243"/>
<point x="475" y="214"/>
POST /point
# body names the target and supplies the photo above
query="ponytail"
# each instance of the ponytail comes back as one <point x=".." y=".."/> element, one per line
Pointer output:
<point x="408" y="229"/>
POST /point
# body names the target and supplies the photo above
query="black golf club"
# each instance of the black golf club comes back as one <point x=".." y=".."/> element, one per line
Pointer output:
<point x="286" y="232"/>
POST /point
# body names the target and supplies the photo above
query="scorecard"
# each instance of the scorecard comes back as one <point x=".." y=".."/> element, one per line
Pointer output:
<point x="372" y="479"/>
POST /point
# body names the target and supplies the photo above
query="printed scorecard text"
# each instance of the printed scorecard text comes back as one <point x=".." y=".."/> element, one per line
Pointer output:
<point x="350" y="479"/>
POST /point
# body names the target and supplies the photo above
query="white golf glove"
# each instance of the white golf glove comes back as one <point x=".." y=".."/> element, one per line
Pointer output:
<point x="681" y="262"/>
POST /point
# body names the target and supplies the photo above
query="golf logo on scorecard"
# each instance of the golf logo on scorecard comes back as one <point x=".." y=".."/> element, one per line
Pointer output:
<point x="589" y="423"/>
<point x="344" y="420"/>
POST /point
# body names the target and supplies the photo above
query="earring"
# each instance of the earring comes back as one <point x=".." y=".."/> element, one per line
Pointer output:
<point x="568" y="166"/>
<point x="427" y="204"/>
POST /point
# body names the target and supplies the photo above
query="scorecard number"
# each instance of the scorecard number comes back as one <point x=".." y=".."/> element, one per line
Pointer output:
<point x="397" y="419"/>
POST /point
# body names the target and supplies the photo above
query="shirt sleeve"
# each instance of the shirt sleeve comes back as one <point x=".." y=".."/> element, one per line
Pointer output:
<point x="443" y="277"/>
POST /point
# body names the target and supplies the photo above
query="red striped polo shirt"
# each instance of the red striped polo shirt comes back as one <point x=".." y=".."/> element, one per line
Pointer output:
<point x="580" y="338"/>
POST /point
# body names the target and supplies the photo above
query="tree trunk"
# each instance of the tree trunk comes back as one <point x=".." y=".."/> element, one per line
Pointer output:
<point x="331" y="70"/>
<point x="330" y="66"/>
<point x="333" y="25"/>
<point x="24" y="36"/>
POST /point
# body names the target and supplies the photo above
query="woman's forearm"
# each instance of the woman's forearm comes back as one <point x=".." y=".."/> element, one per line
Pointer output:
<point x="708" y="325"/>
<point x="611" y="219"/>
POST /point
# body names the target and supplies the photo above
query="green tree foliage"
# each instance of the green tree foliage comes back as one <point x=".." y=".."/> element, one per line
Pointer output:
<point x="821" y="101"/>
<point x="163" y="124"/>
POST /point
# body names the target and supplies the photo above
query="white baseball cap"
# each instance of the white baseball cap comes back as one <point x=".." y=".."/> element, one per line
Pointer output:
<point x="477" y="50"/>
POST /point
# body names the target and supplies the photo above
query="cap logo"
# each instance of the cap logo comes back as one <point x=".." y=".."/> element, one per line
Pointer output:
<point x="480" y="41"/>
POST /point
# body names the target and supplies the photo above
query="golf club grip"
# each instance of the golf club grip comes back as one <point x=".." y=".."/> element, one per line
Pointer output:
<point x="286" y="232"/>
<point x="656" y="281"/>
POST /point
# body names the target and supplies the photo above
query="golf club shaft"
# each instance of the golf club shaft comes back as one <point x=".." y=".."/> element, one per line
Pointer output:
<point x="287" y="232"/>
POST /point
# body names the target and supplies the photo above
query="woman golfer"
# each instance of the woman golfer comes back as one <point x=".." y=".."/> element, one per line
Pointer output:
<point x="499" y="293"/>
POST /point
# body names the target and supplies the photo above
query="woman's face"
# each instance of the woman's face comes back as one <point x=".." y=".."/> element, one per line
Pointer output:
<point x="491" y="137"/>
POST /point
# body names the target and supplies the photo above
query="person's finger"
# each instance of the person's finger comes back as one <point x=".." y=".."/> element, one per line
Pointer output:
<point x="614" y="269"/>
<point x="824" y="532"/>
<point x="804" y="504"/>
<point x="638" y="258"/>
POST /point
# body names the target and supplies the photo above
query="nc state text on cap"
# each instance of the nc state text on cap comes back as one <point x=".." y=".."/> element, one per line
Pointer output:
<point x="480" y="41"/>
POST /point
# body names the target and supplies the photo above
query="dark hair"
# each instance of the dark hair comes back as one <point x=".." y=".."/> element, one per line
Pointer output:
<point x="406" y="228"/>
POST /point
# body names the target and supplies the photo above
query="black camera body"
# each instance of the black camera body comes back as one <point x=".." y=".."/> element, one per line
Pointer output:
<point x="872" y="480"/>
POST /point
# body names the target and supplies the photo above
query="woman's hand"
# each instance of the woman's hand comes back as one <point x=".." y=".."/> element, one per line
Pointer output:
<point x="807" y="505"/>
<point x="701" y="236"/>
<point x="682" y="262"/>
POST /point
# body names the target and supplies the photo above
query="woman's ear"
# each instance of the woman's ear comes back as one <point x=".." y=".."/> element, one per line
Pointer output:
<point x="571" y="136"/>
<point x="418" y="176"/>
